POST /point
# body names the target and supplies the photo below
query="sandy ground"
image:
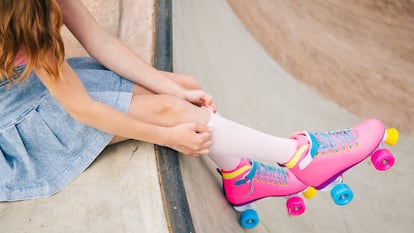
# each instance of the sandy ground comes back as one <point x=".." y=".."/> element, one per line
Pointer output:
<point x="359" y="54"/>
<point x="249" y="87"/>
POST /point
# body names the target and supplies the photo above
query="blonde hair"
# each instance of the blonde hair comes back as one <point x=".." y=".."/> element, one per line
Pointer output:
<point x="32" y="27"/>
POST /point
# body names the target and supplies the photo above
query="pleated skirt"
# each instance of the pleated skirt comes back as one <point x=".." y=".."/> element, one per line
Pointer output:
<point x="42" y="148"/>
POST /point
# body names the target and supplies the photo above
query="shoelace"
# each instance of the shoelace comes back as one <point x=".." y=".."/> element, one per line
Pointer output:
<point x="265" y="173"/>
<point x="334" y="141"/>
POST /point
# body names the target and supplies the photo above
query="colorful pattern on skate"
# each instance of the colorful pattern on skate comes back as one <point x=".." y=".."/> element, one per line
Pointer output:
<point x="322" y="158"/>
<point x="252" y="181"/>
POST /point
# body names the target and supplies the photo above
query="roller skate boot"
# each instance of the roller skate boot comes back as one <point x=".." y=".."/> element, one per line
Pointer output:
<point x="322" y="158"/>
<point x="252" y="181"/>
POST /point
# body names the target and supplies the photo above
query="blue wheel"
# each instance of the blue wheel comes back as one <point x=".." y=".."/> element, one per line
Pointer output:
<point x="249" y="219"/>
<point x="342" y="194"/>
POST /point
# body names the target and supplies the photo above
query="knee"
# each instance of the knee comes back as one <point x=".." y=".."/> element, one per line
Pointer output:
<point x="191" y="83"/>
<point x="172" y="106"/>
<point x="187" y="81"/>
<point x="175" y="110"/>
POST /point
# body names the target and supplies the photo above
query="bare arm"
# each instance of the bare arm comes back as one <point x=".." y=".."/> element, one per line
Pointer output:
<point x="111" y="52"/>
<point x="70" y="92"/>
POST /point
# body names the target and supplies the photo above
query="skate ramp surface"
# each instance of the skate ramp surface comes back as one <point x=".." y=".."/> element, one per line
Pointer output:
<point x="249" y="87"/>
<point x="357" y="53"/>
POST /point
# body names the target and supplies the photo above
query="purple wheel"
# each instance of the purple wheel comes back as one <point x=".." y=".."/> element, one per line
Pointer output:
<point x="295" y="206"/>
<point x="382" y="159"/>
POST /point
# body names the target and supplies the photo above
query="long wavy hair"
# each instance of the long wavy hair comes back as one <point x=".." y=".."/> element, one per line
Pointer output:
<point x="31" y="27"/>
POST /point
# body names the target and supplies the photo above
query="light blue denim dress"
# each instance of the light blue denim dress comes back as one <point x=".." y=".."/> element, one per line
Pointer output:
<point x="42" y="149"/>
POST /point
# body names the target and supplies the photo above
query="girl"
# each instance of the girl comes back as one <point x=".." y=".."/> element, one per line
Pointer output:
<point x="58" y="115"/>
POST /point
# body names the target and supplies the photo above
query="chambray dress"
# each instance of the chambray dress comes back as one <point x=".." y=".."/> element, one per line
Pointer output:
<point x="42" y="149"/>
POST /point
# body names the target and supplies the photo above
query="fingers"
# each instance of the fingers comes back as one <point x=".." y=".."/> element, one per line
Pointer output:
<point x="200" y="98"/>
<point x="213" y="108"/>
<point x="203" y="144"/>
<point x="202" y="140"/>
<point x="200" y="128"/>
<point x="193" y="139"/>
<point x="206" y="142"/>
<point x="207" y="102"/>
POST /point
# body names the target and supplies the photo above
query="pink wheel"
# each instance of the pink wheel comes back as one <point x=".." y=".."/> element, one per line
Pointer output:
<point x="382" y="159"/>
<point x="295" y="206"/>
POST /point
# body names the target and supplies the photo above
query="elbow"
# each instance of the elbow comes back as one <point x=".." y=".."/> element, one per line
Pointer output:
<point x="79" y="115"/>
<point x="80" y="112"/>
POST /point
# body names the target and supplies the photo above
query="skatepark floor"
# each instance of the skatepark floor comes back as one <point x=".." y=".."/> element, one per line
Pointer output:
<point x="120" y="191"/>
<point x="211" y="43"/>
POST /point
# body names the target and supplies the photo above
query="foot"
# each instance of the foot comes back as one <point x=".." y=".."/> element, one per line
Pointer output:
<point x="252" y="181"/>
<point x="322" y="157"/>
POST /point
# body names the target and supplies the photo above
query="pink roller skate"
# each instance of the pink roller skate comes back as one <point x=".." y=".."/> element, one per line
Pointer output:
<point x="252" y="181"/>
<point x="322" y="158"/>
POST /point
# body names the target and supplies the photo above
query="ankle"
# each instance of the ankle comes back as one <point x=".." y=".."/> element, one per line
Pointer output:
<point x="305" y="147"/>
<point x="243" y="162"/>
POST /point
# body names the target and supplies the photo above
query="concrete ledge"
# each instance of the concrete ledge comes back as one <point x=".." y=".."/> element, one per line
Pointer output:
<point x="120" y="191"/>
<point x="172" y="188"/>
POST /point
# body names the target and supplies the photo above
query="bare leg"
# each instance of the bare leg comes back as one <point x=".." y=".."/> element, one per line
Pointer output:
<point x="183" y="80"/>
<point x="231" y="141"/>
<point x="166" y="110"/>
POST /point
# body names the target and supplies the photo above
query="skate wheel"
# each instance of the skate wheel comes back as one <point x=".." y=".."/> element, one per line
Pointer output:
<point x="295" y="206"/>
<point x="341" y="194"/>
<point x="392" y="136"/>
<point x="310" y="193"/>
<point x="249" y="219"/>
<point x="382" y="159"/>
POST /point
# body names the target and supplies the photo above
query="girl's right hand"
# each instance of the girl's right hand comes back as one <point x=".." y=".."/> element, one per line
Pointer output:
<point x="190" y="139"/>
<point x="200" y="98"/>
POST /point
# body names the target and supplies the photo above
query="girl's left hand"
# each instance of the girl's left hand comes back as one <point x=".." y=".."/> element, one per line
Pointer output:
<point x="200" y="98"/>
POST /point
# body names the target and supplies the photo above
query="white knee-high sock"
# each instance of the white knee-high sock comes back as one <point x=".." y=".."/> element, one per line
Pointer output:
<point x="233" y="141"/>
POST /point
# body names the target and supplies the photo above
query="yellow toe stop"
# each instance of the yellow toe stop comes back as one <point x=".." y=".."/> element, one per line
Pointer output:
<point x="310" y="192"/>
<point x="392" y="136"/>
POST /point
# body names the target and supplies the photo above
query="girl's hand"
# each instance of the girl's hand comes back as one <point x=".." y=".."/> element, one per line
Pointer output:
<point x="200" y="98"/>
<point x="190" y="139"/>
<point x="192" y="90"/>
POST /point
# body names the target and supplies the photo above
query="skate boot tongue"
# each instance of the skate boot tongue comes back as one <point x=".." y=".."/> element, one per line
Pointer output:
<point x="335" y="141"/>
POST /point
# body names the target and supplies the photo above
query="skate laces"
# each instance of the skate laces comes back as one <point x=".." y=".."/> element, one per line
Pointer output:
<point x="266" y="174"/>
<point x="336" y="141"/>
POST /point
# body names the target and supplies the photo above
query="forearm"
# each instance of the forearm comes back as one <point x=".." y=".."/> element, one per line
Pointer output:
<point x="71" y="94"/>
<point x="111" y="52"/>
<point x="128" y="64"/>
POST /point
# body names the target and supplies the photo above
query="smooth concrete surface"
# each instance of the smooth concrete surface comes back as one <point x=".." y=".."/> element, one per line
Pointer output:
<point x="211" y="43"/>
<point x="346" y="50"/>
<point x="120" y="191"/>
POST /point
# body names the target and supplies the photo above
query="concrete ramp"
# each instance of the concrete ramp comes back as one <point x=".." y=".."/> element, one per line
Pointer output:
<point x="249" y="87"/>
<point x="135" y="187"/>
